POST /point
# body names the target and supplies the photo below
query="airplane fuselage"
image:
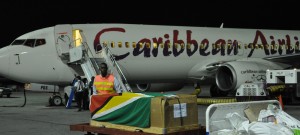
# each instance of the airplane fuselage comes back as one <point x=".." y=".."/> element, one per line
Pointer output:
<point x="148" y="53"/>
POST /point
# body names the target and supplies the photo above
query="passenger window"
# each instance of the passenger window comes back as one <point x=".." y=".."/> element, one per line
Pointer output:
<point x="201" y="46"/>
<point x="276" y="46"/>
<point x="133" y="45"/>
<point x="112" y="44"/>
<point x="188" y="46"/>
<point x="104" y="43"/>
<point x="120" y="44"/>
<point x="161" y="45"/>
<point x="218" y="46"/>
<point x="214" y="46"/>
<point x="141" y="45"/>
<point x="182" y="45"/>
<point x="239" y="46"/>
<point x="155" y="45"/>
<point x="148" y="45"/>
<point x="176" y="45"/>
<point x="29" y="42"/>
<point x="127" y="44"/>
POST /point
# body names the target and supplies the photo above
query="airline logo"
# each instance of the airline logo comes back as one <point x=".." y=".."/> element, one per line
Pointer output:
<point x="176" y="47"/>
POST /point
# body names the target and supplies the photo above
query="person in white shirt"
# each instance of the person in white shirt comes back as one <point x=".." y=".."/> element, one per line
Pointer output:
<point x="79" y="86"/>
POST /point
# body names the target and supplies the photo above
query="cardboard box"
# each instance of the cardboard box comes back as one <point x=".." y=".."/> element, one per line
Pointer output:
<point x="174" y="112"/>
<point x="252" y="112"/>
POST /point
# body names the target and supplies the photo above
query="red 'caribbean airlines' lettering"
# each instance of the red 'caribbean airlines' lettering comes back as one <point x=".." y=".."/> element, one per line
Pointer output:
<point x="178" y="46"/>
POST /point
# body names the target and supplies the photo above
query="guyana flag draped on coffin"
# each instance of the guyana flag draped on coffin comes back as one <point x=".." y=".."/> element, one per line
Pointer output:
<point x="131" y="109"/>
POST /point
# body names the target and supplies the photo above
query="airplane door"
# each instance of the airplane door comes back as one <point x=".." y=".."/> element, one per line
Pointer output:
<point x="63" y="39"/>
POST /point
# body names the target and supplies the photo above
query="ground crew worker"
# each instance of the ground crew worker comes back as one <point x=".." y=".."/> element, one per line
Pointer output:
<point x="106" y="83"/>
<point x="79" y="85"/>
<point x="85" y="99"/>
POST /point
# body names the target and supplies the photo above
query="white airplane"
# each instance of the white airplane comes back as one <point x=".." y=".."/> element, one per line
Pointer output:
<point x="153" y="56"/>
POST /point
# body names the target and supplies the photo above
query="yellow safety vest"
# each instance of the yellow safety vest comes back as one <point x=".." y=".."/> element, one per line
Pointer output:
<point x="104" y="85"/>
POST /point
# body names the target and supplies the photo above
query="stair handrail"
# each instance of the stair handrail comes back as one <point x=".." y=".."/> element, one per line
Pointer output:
<point x="89" y="52"/>
<point x="86" y="54"/>
<point x="111" y="59"/>
<point x="115" y="63"/>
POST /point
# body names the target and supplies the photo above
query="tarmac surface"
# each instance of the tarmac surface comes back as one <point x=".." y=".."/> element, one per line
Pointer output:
<point x="37" y="118"/>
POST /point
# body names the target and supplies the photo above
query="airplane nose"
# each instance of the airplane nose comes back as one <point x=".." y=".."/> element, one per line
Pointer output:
<point x="4" y="61"/>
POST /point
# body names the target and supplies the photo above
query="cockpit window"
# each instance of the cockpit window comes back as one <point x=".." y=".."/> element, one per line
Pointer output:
<point x="18" y="42"/>
<point x="40" y="42"/>
<point x="29" y="42"/>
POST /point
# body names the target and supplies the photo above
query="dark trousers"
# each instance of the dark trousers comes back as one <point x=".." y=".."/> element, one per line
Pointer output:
<point x="85" y="100"/>
<point x="79" y="99"/>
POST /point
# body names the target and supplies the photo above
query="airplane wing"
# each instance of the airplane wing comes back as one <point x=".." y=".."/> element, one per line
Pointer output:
<point x="205" y="70"/>
<point x="290" y="59"/>
<point x="231" y="74"/>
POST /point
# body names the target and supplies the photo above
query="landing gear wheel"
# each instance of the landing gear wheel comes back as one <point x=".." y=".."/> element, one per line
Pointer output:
<point x="55" y="100"/>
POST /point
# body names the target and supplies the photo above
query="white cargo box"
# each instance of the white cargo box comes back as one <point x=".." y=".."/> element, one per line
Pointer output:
<point x="251" y="89"/>
<point x="282" y="76"/>
<point x="216" y="113"/>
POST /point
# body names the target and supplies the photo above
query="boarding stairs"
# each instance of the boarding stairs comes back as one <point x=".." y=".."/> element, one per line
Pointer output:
<point x="114" y="66"/>
<point x="89" y="63"/>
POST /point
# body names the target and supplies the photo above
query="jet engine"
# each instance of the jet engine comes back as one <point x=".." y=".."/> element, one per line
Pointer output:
<point x="232" y="74"/>
<point x="159" y="87"/>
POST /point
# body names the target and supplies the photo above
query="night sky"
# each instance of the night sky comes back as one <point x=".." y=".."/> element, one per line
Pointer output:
<point x="19" y="17"/>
